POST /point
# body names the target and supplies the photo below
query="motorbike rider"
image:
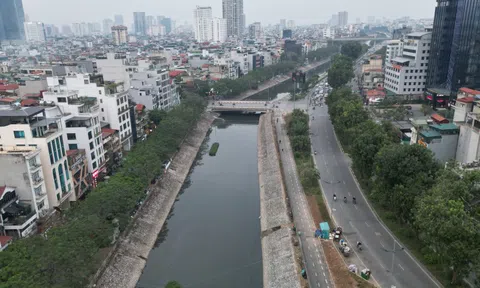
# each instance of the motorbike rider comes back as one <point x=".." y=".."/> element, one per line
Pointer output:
<point x="359" y="245"/>
<point x="334" y="197"/>
<point x="345" y="199"/>
<point x="354" y="200"/>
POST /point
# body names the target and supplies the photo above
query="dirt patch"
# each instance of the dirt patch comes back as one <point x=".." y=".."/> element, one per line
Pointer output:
<point x="340" y="274"/>
<point x="314" y="210"/>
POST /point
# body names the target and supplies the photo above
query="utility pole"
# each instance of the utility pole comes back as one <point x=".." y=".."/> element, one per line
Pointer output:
<point x="393" y="254"/>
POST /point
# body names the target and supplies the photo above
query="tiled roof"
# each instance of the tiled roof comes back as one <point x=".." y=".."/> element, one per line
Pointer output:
<point x="470" y="91"/>
<point x="466" y="99"/>
<point x="4" y="240"/>
<point x="107" y="132"/>
<point x="2" y="189"/>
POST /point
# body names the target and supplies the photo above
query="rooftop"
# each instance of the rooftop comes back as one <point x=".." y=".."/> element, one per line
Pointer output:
<point x="418" y="34"/>
<point x="445" y="127"/>
<point x="466" y="99"/>
<point x="431" y="134"/>
<point x="8" y="111"/>
<point x="470" y="91"/>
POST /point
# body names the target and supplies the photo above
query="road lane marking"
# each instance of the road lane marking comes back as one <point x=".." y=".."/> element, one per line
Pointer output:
<point x="401" y="266"/>
<point x="378" y="234"/>
<point x="381" y="243"/>
<point x="326" y="281"/>
<point x="367" y="224"/>
<point x="313" y="264"/>
<point x="355" y="207"/>
<point x="316" y="275"/>
<point x="324" y="274"/>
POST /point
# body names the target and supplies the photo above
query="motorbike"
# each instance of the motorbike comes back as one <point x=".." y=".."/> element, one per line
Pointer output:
<point x="334" y="198"/>
<point x="345" y="199"/>
<point x="354" y="200"/>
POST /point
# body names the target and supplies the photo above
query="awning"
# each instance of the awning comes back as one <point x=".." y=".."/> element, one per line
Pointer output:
<point x="430" y="97"/>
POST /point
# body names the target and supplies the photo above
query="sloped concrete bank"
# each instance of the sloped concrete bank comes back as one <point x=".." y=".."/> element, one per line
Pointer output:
<point x="280" y="269"/>
<point x="124" y="267"/>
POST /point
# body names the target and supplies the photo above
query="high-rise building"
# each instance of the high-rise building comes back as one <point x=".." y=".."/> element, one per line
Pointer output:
<point x="107" y="26"/>
<point x="334" y="20"/>
<point x="255" y="31"/>
<point x="35" y="32"/>
<point x="454" y="51"/>
<point x="118" y="19"/>
<point x="67" y="30"/>
<point x="167" y="23"/>
<point x="203" y="23"/>
<point x="12" y="18"/>
<point x="290" y="24"/>
<point x="283" y="24"/>
<point x="342" y="18"/>
<point x="119" y="34"/>
<point x="151" y="21"/>
<point x="139" y="22"/>
<point x="233" y="13"/>
<point x="406" y="74"/>
<point x="219" y="29"/>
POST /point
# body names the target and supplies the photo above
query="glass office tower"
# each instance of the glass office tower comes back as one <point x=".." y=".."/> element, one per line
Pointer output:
<point x="11" y="20"/>
<point x="455" y="49"/>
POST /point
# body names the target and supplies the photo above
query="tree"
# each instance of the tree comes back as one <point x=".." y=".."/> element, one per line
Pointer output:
<point x="341" y="71"/>
<point x="157" y="115"/>
<point x="366" y="145"/>
<point x="450" y="231"/>
<point x="352" y="49"/>
<point x="401" y="174"/>
<point x="173" y="284"/>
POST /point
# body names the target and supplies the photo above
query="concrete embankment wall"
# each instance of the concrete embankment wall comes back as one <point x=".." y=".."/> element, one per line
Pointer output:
<point x="131" y="252"/>
<point x="280" y="269"/>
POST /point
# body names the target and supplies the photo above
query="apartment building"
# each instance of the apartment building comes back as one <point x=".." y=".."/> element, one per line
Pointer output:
<point x="111" y="98"/>
<point x="113" y="148"/>
<point x="406" y="74"/>
<point x="35" y="32"/>
<point x="203" y="23"/>
<point x="154" y="89"/>
<point x="467" y="117"/>
<point x="24" y="198"/>
<point x="394" y="49"/>
<point x="30" y="127"/>
<point x="80" y="119"/>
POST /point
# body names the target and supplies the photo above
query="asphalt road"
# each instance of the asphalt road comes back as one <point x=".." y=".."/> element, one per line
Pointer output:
<point x="359" y="222"/>
<point x="314" y="259"/>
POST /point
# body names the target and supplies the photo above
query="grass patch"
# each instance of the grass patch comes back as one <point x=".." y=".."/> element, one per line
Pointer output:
<point x="214" y="149"/>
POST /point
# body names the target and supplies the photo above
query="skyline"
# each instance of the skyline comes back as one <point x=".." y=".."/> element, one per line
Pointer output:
<point x="313" y="13"/>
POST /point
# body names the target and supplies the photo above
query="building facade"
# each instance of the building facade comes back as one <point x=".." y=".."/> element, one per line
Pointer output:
<point x="12" y="18"/>
<point x="35" y="32"/>
<point x="255" y="31"/>
<point x="140" y="23"/>
<point x="120" y="35"/>
<point x="30" y="127"/>
<point x="455" y="51"/>
<point x="394" y="49"/>
<point x="232" y="11"/>
<point x="343" y="18"/>
<point x="219" y="30"/>
<point x="407" y="74"/>
<point x="203" y="24"/>
<point x="82" y="178"/>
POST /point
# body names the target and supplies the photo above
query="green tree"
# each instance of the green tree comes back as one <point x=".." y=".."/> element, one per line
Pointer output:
<point x="173" y="284"/>
<point x="341" y="71"/>
<point x="366" y="145"/>
<point x="446" y="217"/>
<point x="157" y="115"/>
<point x="352" y="49"/>
<point x="401" y="174"/>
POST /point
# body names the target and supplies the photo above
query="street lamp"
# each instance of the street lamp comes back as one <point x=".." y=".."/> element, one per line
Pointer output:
<point x="393" y="254"/>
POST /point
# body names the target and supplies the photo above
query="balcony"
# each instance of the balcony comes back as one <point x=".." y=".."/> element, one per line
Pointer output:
<point x="34" y="166"/>
<point x="18" y="217"/>
<point x="126" y="136"/>
<point x="37" y="181"/>
<point x="79" y="122"/>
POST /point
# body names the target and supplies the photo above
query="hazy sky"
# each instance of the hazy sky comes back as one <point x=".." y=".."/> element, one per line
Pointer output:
<point x="264" y="11"/>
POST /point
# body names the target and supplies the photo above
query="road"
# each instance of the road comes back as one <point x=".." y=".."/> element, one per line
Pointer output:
<point x="314" y="259"/>
<point x="277" y="80"/>
<point x="359" y="221"/>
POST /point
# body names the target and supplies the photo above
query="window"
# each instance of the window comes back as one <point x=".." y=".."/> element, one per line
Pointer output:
<point x="63" y="147"/>
<point x="54" y="173"/>
<point x="103" y="111"/>
<point x="71" y="136"/>
<point x="55" y="151"/>
<point x="103" y="118"/>
<point x="85" y="81"/>
<point x="66" y="169"/>
<point x="58" y="196"/>
<point x="19" y="134"/>
<point x="61" y="99"/>
<point x="123" y="117"/>
<point x="59" y="149"/>
<point x="124" y="126"/>
<point x="118" y="102"/>
<point x="119" y="119"/>
<point x="72" y="146"/>
<point x="61" y="175"/>
<point x="93" y="155"/>
<point x="421" y="64"/>
<point x="94" y="165"/>
<point x="91" y="145"/>
<point x="101" y="101"/>
<point x="50" y="153"/>
<point x="90" y="135"/>
<point x="99" y="92"/>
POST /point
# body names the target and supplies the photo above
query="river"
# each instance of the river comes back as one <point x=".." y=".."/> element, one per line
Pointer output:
<point x="212" y="236"/>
